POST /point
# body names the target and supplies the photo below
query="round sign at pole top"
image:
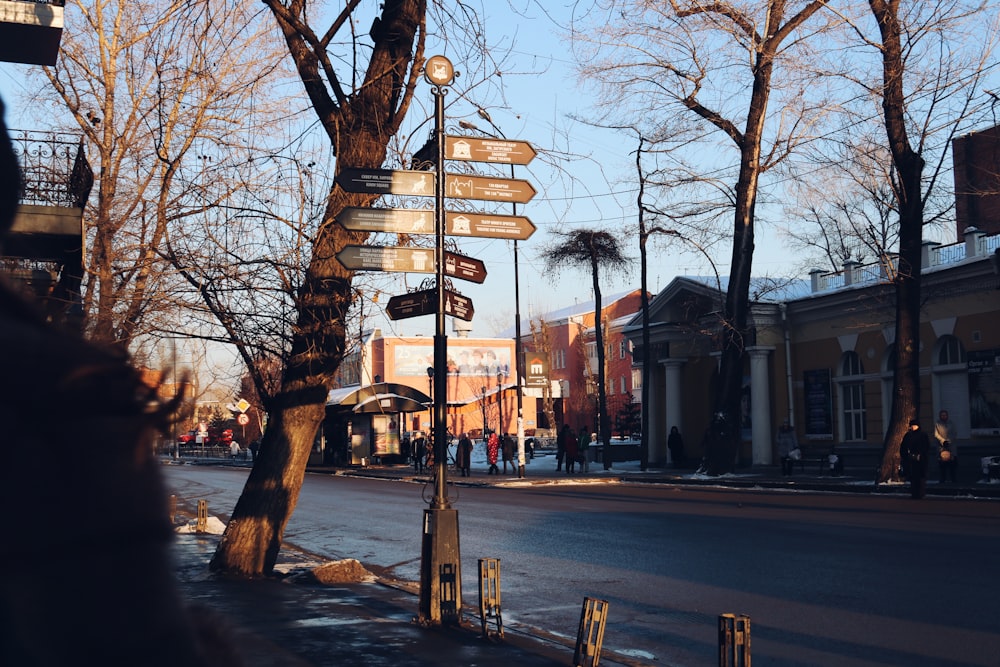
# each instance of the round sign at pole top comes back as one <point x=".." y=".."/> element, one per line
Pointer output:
<point x="439" y="71"/>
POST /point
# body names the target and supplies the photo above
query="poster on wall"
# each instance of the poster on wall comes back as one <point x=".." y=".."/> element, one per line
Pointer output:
<point x="817" y="393"/>
<point x="386" y="435"/>
<point x="984" y="391"/>
<point x="413" y="360"/>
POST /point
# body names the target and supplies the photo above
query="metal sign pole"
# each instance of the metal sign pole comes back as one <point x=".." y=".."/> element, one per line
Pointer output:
<point x="441" y="564"/>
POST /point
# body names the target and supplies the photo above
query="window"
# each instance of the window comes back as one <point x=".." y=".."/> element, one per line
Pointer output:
<point x="636" y="379"/>
<point x="950" y="351"/>
<point x="622" y="348"/>
<point x="622" y="383"/>
<point x="852" y="397"/>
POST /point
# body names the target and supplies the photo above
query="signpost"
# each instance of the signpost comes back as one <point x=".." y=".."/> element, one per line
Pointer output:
<point x="424" y="302"/>
<point x="488" y="188"/>
<point x="489" y="225"/>
<point x="421" y="221"/>
<point x="410" y="260"/>
<point x="392" y="220"/>
<point x="386" y="181"/>
<point x="478" y="149"/>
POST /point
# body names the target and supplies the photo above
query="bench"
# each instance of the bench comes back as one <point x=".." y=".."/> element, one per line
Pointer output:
<point x="817" y="458"/>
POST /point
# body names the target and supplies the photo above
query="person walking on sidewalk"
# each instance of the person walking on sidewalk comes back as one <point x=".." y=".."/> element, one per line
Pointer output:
<point x="787" y="443"/>
<point x="465" y="455"/>
<point x="947" y="450"/>
<point x="507" y="451"/>
<point x="913" y="453"/>
<point x="561" y="439"/>
<point x="572" y="451"/>
<point x="419" y="450"/>
<point x="583" y="444"/>
<point x="675" y="443"/>
<point x="493" y="452"/>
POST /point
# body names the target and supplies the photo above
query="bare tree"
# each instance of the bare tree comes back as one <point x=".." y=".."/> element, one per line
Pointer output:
<point x="595" y="251"/>
<point x="906" y="37"/>
<point x="683" y="56"/>
<point x="155" y="87"/>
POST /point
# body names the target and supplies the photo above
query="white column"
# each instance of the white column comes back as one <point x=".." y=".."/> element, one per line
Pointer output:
<point x="760" y="406"/>
<point x="674" y="406"/>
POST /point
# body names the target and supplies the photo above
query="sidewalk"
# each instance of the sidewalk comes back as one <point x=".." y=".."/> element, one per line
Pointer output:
<point x="291" y="620"/>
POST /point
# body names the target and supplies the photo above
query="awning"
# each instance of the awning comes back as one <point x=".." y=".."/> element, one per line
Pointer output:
<point x="378" y="398"/>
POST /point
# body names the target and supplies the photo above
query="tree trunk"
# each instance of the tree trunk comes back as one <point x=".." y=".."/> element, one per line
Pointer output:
<point x="360" y="130"/>
<point x="909" y="168"/>
<point x="603" y="423"/>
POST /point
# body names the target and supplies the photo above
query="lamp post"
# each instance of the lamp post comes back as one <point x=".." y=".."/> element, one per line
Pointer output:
<point x="483" y="404"/>
<point x="500" y="402"/>
<point x="518" y="353"/>
<point x="441" y="563"/>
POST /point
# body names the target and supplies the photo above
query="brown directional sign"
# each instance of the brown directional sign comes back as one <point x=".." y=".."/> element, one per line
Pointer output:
<point x="387" y="258"/>
<point x="386" y="181"/>
<point x="393" y="220"/>
<point x="466" y="268"/>
<point x="488" y="188"/>
<point x="410" y="260"/>
<point x="421" y="221"/>
<point x="424" y="302"/>
<point x="478" y="149"/>
<point x="413" y="304"/>
<point x="488" y="225"/>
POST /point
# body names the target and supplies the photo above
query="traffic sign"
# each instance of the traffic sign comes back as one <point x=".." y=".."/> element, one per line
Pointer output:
<point x="386" y="258"/>
<point x="488" y="225"/>
<point x="424" y="302"/>
<point x="410" y="260"/>
<point x="393" y="220"/>
<point x="478" y="149"/>
<point x="386" y="181"/>
<point x="488" y="188"/>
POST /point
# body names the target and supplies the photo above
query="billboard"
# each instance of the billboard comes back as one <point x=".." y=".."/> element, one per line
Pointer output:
<point x="413" y="360"/>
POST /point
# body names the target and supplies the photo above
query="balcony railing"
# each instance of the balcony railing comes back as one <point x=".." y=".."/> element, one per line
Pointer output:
<point x="54" y="168"/>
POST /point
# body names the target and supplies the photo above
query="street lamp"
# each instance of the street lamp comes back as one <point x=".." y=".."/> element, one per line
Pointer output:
<point x="500" y="401"/>
<point x="518" y="354"/>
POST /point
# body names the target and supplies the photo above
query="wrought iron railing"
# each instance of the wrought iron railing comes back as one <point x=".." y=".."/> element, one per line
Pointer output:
<point x="54" y="168"/>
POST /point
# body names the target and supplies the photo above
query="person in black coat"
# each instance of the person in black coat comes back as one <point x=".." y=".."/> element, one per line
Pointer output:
<point x="914" y="451"/>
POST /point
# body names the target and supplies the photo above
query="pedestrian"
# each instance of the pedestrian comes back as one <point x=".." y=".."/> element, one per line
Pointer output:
<point x="405" y="448"/>
<point x="493" y="452"/>
<point x="507" y="451"/>
<point x="234" y="450"/>
<point x="561" y="446"/>
<point x="787" y="444"/>
<point x="675" y="443"/>
<point x="571" y="450"/>
<point x="419" y="449"/>
<point x="465" y="447"/>
<point x="254" y="448"/>
<point x="583" y="445"/>
<point x="913" y="453"/>
<point x="947" y="450"/>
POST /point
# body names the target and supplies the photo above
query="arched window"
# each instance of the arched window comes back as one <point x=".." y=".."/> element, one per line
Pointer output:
<point x="852" y="397"/>
<point x="950" y="351"/>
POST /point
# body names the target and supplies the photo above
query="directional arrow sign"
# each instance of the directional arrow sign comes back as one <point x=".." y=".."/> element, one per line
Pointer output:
<point x="413" y="304"/>
<point x="424" y="302"/>
<point x="393" y="220"/>
<point x="477" y="149"/>
<point x="409" y="260"/>
<point x="487" y="188"/>
<point x="386" y="258"/>
<point x="386" y="181"/>
<point x="466" y="268"/>
<point x="488" y="225"/>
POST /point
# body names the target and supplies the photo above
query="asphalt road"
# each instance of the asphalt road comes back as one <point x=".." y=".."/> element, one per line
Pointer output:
<point x="826" y="579"/>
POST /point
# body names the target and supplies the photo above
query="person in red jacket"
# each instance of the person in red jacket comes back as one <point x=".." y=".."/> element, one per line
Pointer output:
<point x="493" y="452"/>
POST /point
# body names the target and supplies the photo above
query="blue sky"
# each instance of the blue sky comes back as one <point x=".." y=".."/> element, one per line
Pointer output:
<point x="540" y="103"/>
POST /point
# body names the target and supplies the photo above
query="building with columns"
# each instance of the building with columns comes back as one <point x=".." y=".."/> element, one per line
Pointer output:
<point x="820" y="355"/>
